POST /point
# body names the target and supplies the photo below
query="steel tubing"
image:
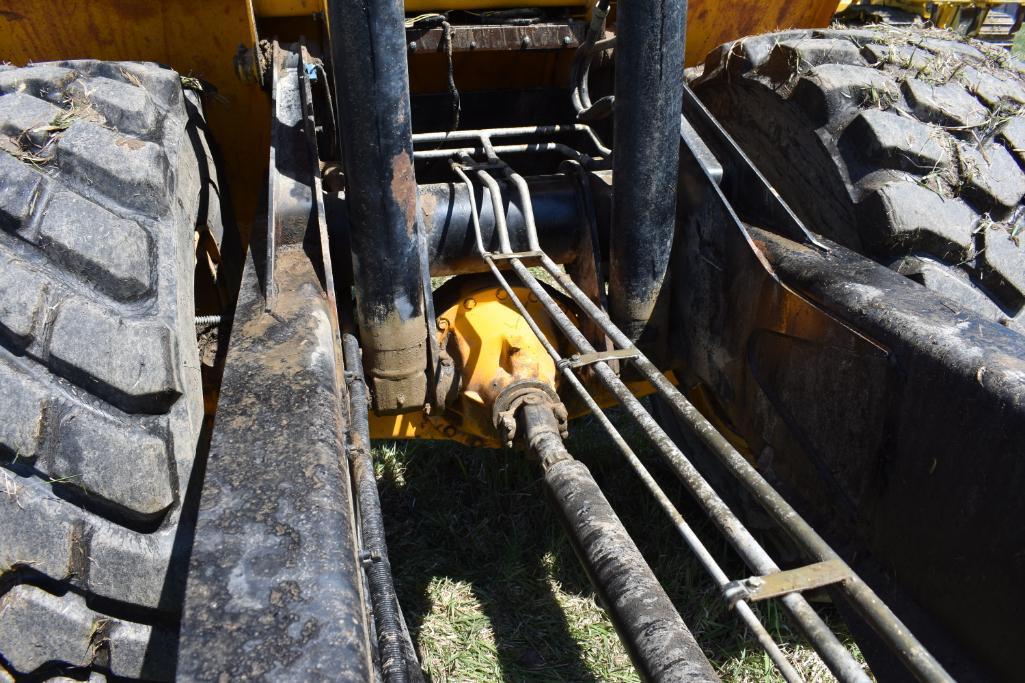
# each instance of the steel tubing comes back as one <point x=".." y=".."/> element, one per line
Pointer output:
<point x="520" y="131"/>
<point x="834" y="654"/>
<point x="645" y="164"/>
<point x="864" y="599"/>
<point x="388" y="251"/>
<point x="744" y="610"/>
<point x="877" y="614"/>
<point x="385" y="602"/>
<point x="660" y="645"/>
<point x="565" y="150"/>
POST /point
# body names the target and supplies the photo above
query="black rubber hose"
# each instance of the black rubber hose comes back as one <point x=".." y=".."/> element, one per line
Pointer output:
<point x="385" y="602"/>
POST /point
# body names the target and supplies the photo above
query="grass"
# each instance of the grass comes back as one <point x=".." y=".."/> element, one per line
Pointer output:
<point x="1018" y="47"/>
<point x="491" y="589"/>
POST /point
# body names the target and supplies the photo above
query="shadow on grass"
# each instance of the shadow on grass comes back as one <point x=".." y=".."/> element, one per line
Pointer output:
<point x="475" y="549"/>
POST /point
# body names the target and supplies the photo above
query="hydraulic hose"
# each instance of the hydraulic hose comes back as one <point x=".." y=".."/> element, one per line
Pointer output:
<point x="383" y="598"/>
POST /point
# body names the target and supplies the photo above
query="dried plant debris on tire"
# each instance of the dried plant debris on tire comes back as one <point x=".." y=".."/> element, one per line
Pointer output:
<point x="100" y="195"/>
<point x="913" y="140"/>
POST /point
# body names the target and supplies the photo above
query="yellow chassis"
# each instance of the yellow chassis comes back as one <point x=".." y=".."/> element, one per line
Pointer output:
<point x="201" y="39"/>
<point x="215" y="42"/>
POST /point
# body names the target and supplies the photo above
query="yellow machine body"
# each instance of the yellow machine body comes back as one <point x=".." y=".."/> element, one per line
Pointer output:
<point x="201" y="39"/>
<point x="214" y="42"/>
<point x="491" y="346"/>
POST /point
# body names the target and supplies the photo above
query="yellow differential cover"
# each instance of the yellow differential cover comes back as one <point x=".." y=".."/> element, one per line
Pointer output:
<point x="491" y="346"/>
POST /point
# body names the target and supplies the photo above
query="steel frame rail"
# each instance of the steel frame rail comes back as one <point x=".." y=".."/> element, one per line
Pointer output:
<point x="736" y="593"/>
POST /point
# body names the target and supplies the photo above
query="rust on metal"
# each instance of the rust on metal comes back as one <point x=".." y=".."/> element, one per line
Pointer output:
<point x="548" y="36"/>
<point x="579" y="360"/>
<point x="711" y="23"/>
<point x="403" y="188"/>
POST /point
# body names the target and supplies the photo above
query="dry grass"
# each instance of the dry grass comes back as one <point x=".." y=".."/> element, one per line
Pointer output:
<point x="1018" y="48"/>
<point x="491" y="589"/>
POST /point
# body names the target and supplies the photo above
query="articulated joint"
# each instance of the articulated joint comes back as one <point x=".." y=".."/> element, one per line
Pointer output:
<point x="522" y="394"/>
<point x="542" y="430"/>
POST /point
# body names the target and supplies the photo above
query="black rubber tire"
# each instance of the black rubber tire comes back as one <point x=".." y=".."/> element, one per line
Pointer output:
<point x="104" y="175"/>
<point x="904" y="144"/>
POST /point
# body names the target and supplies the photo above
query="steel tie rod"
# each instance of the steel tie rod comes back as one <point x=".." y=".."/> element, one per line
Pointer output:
<point x="880" y="617"/>
<point x="834" y="654"/>
<point x="919" y="660"/>
<point x="691" y="539"/>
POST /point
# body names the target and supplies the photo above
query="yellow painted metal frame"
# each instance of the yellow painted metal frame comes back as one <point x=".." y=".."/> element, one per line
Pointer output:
<point x="200" y="39"/>
<point x="269" y="9"/>
<point x="196" y="39"/>
<point x="492" y="347"/>
<point x="711" y="23"/>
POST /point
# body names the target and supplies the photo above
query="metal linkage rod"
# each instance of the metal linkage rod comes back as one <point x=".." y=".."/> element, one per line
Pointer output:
<point x="477" y="134"/>
<point x="387" y="614"/>
<point x="691" y="539"/>
<point x="878" y="615"/>
<point x="565" y="150"/>
<point x="836" y="656"/>
<point x="875" y="612"/>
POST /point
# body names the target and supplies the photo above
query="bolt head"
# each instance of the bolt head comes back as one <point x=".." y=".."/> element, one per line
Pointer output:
<point x="566" y="40"/>
<point x="412" y="45"/>
<point x="442" y="323"/>
<point x="469" y="303"/>
<point x="755" y="582"/>
<point x="525" y="42"/>
<point x="473" y="44"/>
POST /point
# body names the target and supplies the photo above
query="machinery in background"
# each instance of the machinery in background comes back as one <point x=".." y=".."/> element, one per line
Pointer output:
<point x="992" y="22"/>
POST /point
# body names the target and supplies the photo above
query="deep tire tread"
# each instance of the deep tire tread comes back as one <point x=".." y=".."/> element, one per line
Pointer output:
<point x="98" y="363"/>
<point x="918" y="132"/>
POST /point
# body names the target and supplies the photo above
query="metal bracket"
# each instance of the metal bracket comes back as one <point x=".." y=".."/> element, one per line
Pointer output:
<point x="806" y="578"/>
<point x="514" y="254"/>
<point x="472" y="165"/>
<point x="579" y="360"/>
